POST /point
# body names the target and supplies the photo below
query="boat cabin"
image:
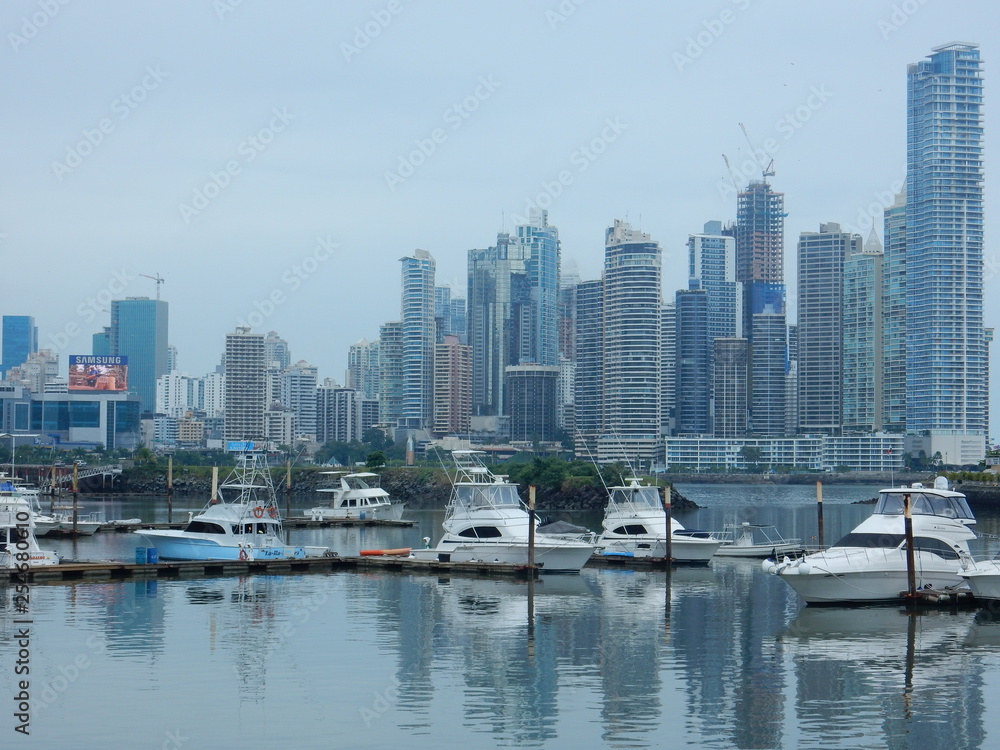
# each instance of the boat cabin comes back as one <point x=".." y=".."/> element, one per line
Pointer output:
<point x="469" y="497"/>
<point x="636" y="497"/>
<point x="950" y="505"/>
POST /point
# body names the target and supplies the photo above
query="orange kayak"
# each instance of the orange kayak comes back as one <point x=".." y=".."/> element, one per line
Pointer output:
<point x="401" y="552"/>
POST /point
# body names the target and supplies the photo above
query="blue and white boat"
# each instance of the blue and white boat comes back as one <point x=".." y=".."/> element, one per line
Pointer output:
<point x="247" y="527"/>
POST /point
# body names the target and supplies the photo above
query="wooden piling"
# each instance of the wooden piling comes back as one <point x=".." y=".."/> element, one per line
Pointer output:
<point x="819" y="514"/>
<point x="531" y="527"/>
<point x="911" y="563"/>
<point x="668" y="546"/>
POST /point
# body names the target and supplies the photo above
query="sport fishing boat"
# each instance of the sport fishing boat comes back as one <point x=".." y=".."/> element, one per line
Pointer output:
<point x="635" y="525"/>
<point x="246" y="527"/>
<point x="869" y="564"/>
<point x="357" y="495"/>
<point x="17" y="532"/>
<point x="485" y="521"/>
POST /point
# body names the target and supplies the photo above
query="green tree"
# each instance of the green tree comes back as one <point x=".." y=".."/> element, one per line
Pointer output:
<point x="375" y="460"/>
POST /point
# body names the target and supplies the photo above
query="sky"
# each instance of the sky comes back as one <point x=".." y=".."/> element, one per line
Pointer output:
<point x="272" y="162"/>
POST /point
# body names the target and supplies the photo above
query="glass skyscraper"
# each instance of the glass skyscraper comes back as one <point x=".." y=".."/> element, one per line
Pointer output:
<point x="418" y="340"/>
<point x="20" y="338"/>
<point x="139" y="332"/>
<point x="946" y="369"/>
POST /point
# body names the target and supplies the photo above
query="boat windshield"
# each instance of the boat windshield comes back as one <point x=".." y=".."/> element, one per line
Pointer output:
<point x="924" y="504"/>
<point x="470" y="497"/>
<point x="640" y="498"/>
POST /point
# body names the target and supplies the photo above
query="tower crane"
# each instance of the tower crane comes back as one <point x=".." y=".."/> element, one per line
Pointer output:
<point x="766" y="171"/>
<point x="158" y="279"/>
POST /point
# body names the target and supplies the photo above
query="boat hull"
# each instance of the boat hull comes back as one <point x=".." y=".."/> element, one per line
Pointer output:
<point x="850" y="576"/>
<point x="388" y="512"/>
<point x="563" y="558"/>
<point x="683" y="550"/>
<point x="758" y="550"/>
<point x="984" y="580"/>
<point x="189" y="547"/>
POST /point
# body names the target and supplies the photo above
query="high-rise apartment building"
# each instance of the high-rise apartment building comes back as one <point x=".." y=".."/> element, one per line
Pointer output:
<point x="730" y="408"/>
<point x="893" y="417"/>
<point x="363" y="367"/>
<point x="760" y="231"/>
<point x="630" y="428"/>
<point x="245" y="386"/>
<point x="693" y="363"/>
<point x="822" y="257"/>
<point x="298" y="394"/>
<point x="20" y="338"/>
<point x="540" y="243"/>
<point x="452" y="387"/>
<point x="863" y="346"/>
<point x="419" y="336"/>
<point x="532" y="402"/>
<point x="768" y="374"/>
<point x="588" y="386"/>
<point x="276" y="354"/>
<point x="712" y="267"/>
<point x="946" y="390"/>
<point x="139" y="332"/>
<point x="390" y="382"/>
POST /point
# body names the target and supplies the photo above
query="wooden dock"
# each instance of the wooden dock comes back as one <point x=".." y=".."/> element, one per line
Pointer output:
<point x="120" y="571"/>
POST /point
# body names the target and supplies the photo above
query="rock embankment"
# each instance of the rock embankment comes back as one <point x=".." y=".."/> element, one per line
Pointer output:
<point x="419" y="488"/>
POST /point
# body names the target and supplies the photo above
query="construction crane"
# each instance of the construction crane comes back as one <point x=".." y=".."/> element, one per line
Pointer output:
<point x="766" y="171"/>
<point x="158" y="279"/>
<point x="732" y="173"/>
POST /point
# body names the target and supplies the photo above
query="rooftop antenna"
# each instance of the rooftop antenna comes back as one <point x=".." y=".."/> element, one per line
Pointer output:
<point x="158" y="279"/>
<point x="766" y="171"/>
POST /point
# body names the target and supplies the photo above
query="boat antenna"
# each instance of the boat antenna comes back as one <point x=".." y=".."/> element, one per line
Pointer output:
<point x="622" y="449"/>
<point x="593" y="460"/>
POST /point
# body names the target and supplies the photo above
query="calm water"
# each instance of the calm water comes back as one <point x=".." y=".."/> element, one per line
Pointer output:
<point x="718" y="657"/>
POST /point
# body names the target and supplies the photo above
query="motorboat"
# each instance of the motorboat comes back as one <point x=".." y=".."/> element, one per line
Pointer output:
<point x="357" y="495"/>
<point x="983" y="577"/>
<point x="18" y="544"/>
<point x="756" y="540"/>
<point x="635" y="525"/>
<point x="485" y="521"/>
<point x="869" y="563"/>
<point x="241" y="523"/>
<point x="61" y="523"/>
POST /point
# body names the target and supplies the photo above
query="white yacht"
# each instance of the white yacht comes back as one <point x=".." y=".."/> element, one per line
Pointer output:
<point x="245" y="527"/>
<point x="485" y="521"/>
<point x="635" y="525"/>
<point x="869" y="564"/>
<point x="357" y="495"/>
<point x="17" y="532"/>
<point x="756" y="540"/>
<point x="983" y="577"/>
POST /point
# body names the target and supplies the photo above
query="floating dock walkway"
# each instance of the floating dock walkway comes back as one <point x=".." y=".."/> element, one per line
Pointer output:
<point x="120" y="571"/>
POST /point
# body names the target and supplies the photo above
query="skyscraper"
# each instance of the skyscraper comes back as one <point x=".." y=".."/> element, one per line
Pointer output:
<point x="712" y="267"/>
<point x="894" y="317"/>
<point x="821" y="259"/>
<point x="730" y="386"/>
<point x="298" y="394"/>
<point x="452" y="387"/>
<point x="862" y="338"/>
<point x="760" y="229"/>
<point x="419" y="336"/>
<point x="693" y="371"/>
<point x="276" y="354"/>
<point x="20" y="338"/>
<point x="540" y="243"/>
<point x="245" y="385"/>
<point x="139" y="332"/>
<point x="363" y="367"/>
<point x="589" y="346"/>
<point x="945" y="348"/>
<point x="630" y="428"/>
<point x="390" y="382"/>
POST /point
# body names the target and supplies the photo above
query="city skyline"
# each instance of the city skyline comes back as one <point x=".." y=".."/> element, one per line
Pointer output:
<point x="309" y="229"/>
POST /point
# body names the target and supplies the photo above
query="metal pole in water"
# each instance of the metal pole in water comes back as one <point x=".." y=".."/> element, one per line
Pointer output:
<point x="76" y="488"/>
<point x="170" y="489"/>
<point x="531" y="531"/>
<point x="911" y="564"/>
<point x="819" y="513"/>
<point x="215" y="485"/>
<point x="668" y="546"/>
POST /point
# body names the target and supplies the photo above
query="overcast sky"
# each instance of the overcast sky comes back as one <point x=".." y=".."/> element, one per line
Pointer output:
<point x="272" y="161"/>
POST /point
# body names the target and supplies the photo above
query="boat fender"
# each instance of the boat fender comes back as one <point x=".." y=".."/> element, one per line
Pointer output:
<point x="272" y="512"/>
<point x="258" y="512"/>
<point x="769" y="566"/>
<point x="804" y="569"/>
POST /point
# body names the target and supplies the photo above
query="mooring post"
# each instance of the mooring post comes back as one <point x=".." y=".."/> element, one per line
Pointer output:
<point x="170" y="489"/>
<point x="288" y="489"/>
<point x="531" y="531"/>
<point x="819" y="513"/>
<point x="76" y="488"/>
<point x="911" y="563"/>
<point x="667" y="544"/>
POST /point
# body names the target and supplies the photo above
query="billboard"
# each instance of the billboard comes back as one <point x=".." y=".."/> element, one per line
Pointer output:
<point x="98" y="373"/>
